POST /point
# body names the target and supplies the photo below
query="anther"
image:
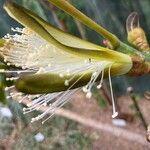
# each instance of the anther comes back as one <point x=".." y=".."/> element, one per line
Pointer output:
<point x="66" y="83"/>
<point x="84" y="89"/>
<point x="99" y="86"/>
<point x="61" y="75"/>
<point x="115" y="115"/>
<point x="89" y="95"/>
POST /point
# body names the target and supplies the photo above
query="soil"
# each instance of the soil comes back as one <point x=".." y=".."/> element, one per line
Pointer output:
<point x="105" y="141"/>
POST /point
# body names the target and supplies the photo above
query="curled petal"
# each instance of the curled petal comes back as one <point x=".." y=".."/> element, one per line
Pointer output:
<point x="132" y="21"/>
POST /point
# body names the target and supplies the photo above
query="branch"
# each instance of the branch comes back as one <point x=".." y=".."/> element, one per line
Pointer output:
<point x="137" y="108"/>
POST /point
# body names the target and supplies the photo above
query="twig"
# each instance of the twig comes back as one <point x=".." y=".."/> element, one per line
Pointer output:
<point x="138" y="111"/>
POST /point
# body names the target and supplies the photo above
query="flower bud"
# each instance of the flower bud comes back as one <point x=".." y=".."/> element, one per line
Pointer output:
<point x="136" y="35"/>
<point x="138" y="39"/>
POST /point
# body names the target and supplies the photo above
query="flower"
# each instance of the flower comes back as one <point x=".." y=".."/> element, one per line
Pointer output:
<point x="34" y="55"/>
<point x="52" y="65"/>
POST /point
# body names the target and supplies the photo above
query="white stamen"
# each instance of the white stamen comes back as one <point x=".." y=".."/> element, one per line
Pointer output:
<point x="85" y="89"/>
<point x="8" y="97"/>
<point x="9" y="88"/>
<point x="61" y="75"/>
<point x="115" y="113"/>
<point x="66" y="83"/>
<point x="16" y="71"/>
<point x="11" y="79"/>
<point x="89" y="95"/>
<point x="101" y="81"/>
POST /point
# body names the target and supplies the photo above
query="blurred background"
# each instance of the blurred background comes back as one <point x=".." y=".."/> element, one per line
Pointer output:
<point x="60" y="133"/>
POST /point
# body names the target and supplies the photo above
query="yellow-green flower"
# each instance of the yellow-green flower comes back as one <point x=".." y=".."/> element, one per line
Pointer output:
<point x="53" y="65"/>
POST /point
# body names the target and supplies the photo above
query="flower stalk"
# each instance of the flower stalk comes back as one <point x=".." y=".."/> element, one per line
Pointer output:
<point x="71" y="10"/>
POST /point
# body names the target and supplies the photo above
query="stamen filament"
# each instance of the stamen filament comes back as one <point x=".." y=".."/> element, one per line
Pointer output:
<point x="115" y="113"/>
<point x="101" y="81"/>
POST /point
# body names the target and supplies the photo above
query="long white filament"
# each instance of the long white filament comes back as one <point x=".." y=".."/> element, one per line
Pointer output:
<point x="115" y="113"/>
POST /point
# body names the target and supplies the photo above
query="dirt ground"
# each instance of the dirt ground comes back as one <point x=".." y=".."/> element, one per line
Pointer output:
<point x="106" y="141"/>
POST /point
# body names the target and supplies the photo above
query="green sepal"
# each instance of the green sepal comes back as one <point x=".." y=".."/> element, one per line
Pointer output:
<point x="49" y="82"/>
<point x="79" y="48"/>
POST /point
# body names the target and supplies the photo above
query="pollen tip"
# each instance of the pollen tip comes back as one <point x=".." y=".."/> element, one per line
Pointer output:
<point x="20" y="101"/>
<point x="66" y="83"/>
<point x="61" y="75"/>
<point x="33" y="120"/>
<point x="99" y="86"/>
<point x="115" y="115"/>
<point x="84" y="89"/>
<point x="29" y="104"/>
<point x="8" y="97"/>
<point x="8" y="64"/>
<point x="6" y="88"/>
<point x="89" y="95"/>
<point x="2" y="70"/>
<point x="94" y="74"/>
<point x="45" y="104"/>
<point x="24" y="109"/>
<point x="49" y="65"/>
